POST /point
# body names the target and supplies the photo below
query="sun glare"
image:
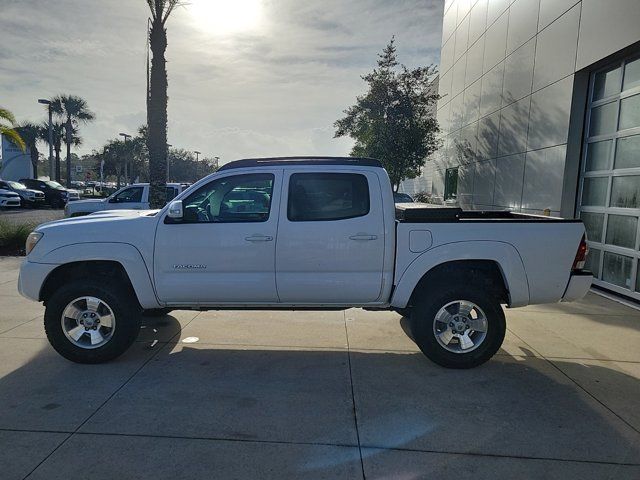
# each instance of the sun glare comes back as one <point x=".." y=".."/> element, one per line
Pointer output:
<point x="222" y="17"/>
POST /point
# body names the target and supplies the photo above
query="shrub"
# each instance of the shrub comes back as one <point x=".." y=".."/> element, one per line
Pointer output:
<point x="13" y="237"/>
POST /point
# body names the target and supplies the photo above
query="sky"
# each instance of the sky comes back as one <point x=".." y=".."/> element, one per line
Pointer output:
<point x="247" y="78"/>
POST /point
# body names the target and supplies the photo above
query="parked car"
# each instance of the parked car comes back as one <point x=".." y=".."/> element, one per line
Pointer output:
<point x="301" y="234"/>
<point x="30" y="198"/>
<point x="55" y="194"/>
<point x="9" y="199"/>
<point x="131" y="197"/>
<point x="402" y="198"/>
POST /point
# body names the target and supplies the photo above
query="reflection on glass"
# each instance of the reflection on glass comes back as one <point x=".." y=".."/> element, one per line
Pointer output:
<point x="594" y="191"/>
<point x="630" y="112"/>
<point x="598" y="155"/>
<point x="625" y="192"/>
<point x="621" y="230"/>
<point x="593" y="225"/>
<point x="632" y="75"/>
<point x="616" y="269"/>
<point x="603" y="119"/>
<point x="593" y="262"/>
<point x="628" y="152"/>
<point x="606" y="83"/>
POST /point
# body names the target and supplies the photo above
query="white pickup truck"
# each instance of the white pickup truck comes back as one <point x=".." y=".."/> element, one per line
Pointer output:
<point x="300" y="233"/>
<point x="131" y="197"/>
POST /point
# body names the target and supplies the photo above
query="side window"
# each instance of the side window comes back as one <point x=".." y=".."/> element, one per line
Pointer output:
<point x="133" y="194"/>
<point x="171" y="193"/>
<point x="327" y="196"/>
<point x="238" y="198"/>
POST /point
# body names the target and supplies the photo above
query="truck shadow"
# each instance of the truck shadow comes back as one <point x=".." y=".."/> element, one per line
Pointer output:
<point x="287" y="397"/>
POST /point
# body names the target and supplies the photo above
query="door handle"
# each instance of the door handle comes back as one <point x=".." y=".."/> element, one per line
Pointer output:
<point x="364" y="237"/>
<point x="258" y="238"/>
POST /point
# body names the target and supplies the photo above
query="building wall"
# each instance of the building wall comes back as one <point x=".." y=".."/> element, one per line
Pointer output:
<point x="508" y="82"/>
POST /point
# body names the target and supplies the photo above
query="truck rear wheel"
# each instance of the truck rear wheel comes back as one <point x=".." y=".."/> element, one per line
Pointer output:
<point x="90" y="322"/>
<point x="459" y="327"/>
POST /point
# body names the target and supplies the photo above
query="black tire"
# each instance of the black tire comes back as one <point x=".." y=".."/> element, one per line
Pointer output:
<point x="424" y="313"/>
<point x="122" y="302"/>
<point x="157" y="312"/>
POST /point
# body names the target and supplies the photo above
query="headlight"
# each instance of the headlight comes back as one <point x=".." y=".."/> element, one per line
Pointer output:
<point x="32" y="241"/>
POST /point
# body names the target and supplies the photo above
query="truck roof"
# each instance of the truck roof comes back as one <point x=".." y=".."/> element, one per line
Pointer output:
<point x="311" y="160"/>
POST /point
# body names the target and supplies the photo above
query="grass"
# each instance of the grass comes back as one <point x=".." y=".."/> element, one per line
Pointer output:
<point x="13" y="237"/>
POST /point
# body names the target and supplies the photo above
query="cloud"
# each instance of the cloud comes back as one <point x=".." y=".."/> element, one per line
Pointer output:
<point x="275" y="90"/>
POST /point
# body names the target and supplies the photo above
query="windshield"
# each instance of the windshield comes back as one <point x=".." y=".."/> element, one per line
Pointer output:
<point x="53" y="184"/>
<point x="17" y="185"/>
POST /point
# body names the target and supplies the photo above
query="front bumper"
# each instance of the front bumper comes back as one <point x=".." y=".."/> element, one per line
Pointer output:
<point x="32" y="277"/>
<point x="578" y="286"/>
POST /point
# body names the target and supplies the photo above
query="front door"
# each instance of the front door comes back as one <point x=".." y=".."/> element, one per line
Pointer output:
<point x="223" y="249"/>
<point x="130" y="198"/>
<point x="330" y="246"/>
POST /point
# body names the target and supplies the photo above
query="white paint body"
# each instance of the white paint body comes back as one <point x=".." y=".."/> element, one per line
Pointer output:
<point x="86" y="207"/>
<point x="368" y="261"/>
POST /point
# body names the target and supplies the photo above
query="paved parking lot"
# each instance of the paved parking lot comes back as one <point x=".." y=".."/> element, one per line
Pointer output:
<point x="31" y="216"/>
<point x="322" y="395"/>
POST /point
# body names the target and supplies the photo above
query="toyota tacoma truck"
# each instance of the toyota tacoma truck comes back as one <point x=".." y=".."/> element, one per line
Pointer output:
<point x="300" y="233"/>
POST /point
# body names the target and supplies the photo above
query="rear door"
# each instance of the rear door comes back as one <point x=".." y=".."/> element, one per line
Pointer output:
<point x="331" y="241"/>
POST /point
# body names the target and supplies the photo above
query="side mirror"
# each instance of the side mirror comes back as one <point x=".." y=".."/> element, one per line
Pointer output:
<point x="175" y="210"/>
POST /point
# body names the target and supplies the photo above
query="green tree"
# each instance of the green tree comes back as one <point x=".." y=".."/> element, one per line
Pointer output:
<point x="185" y="168"/>
<point x="7" y="128"/>
<point x="74" y="110"/>
<point x="58" y="138"/>
<point x="157" y="100"/>
<point x="393" y="121"/>
<point x="31" y="133"/>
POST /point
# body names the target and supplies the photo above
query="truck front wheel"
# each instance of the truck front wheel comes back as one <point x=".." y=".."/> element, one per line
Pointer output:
<point x="89" y="322"/>
<point x="459" y="327"/>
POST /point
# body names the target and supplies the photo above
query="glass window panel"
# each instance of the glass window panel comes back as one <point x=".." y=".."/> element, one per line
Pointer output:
<point x="616" y="269"/>
<point x="593" y="262"/>
<point x="632" y="75"/>
<point x="625" y="192"/>
<point x="603" y="119"/>
<point x="598" y="155"/>
<point x="630" y="112"/>
<point x="594" y="191"/>
<point x="628" y="152"/>
<point x="606" y="83"/>
<point x="621" y="230"/>
<point x="593" y="225"/>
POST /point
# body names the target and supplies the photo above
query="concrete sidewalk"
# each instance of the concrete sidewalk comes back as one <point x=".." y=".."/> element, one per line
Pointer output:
<point x="322" y="395"/>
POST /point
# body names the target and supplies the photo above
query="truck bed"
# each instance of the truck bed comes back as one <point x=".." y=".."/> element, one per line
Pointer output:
<point x="425" y="213"/>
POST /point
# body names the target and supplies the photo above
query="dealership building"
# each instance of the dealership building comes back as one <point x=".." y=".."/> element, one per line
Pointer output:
<point x="540" y="113"/>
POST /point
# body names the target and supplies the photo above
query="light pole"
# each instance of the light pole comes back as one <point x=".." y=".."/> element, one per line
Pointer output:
<point x="168" y="147"/>
<point x="126" y="160"/>
<point x="46" y="102"/>
<point x="217" y="159"/>
<point x="197" y="154"/>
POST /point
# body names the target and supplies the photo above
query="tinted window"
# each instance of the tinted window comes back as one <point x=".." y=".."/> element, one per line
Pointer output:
<point x="171" y="193"/>
<point x="327" y="196"/>
<point x="238" y="198"/>
<point x="133" y="194"/>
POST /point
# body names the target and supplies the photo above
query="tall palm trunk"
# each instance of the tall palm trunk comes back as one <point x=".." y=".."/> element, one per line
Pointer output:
<point x="68" y="140"/>
<point x="157" y="115"/>
<point x="57" y="148"/>
<point x="34" y="161"/>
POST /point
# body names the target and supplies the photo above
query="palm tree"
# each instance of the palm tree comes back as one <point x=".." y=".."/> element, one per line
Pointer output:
<point x="73" y="110"/>
<point x="31" y="133"/>
<point x="7" y="125"/>
<point x="58" y="138"/>
<point x="157" y="100"/>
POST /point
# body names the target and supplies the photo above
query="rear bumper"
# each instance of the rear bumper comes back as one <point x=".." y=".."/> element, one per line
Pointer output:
<point x="578" y="286"/>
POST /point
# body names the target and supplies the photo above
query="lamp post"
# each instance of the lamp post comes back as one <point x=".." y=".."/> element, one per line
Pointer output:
<point x="126" y="160"/>
<point x="168" y="147"/>
<point x="197" y="154"/>
<point x="46" y="102"/>
<point x="217" y="159"/>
